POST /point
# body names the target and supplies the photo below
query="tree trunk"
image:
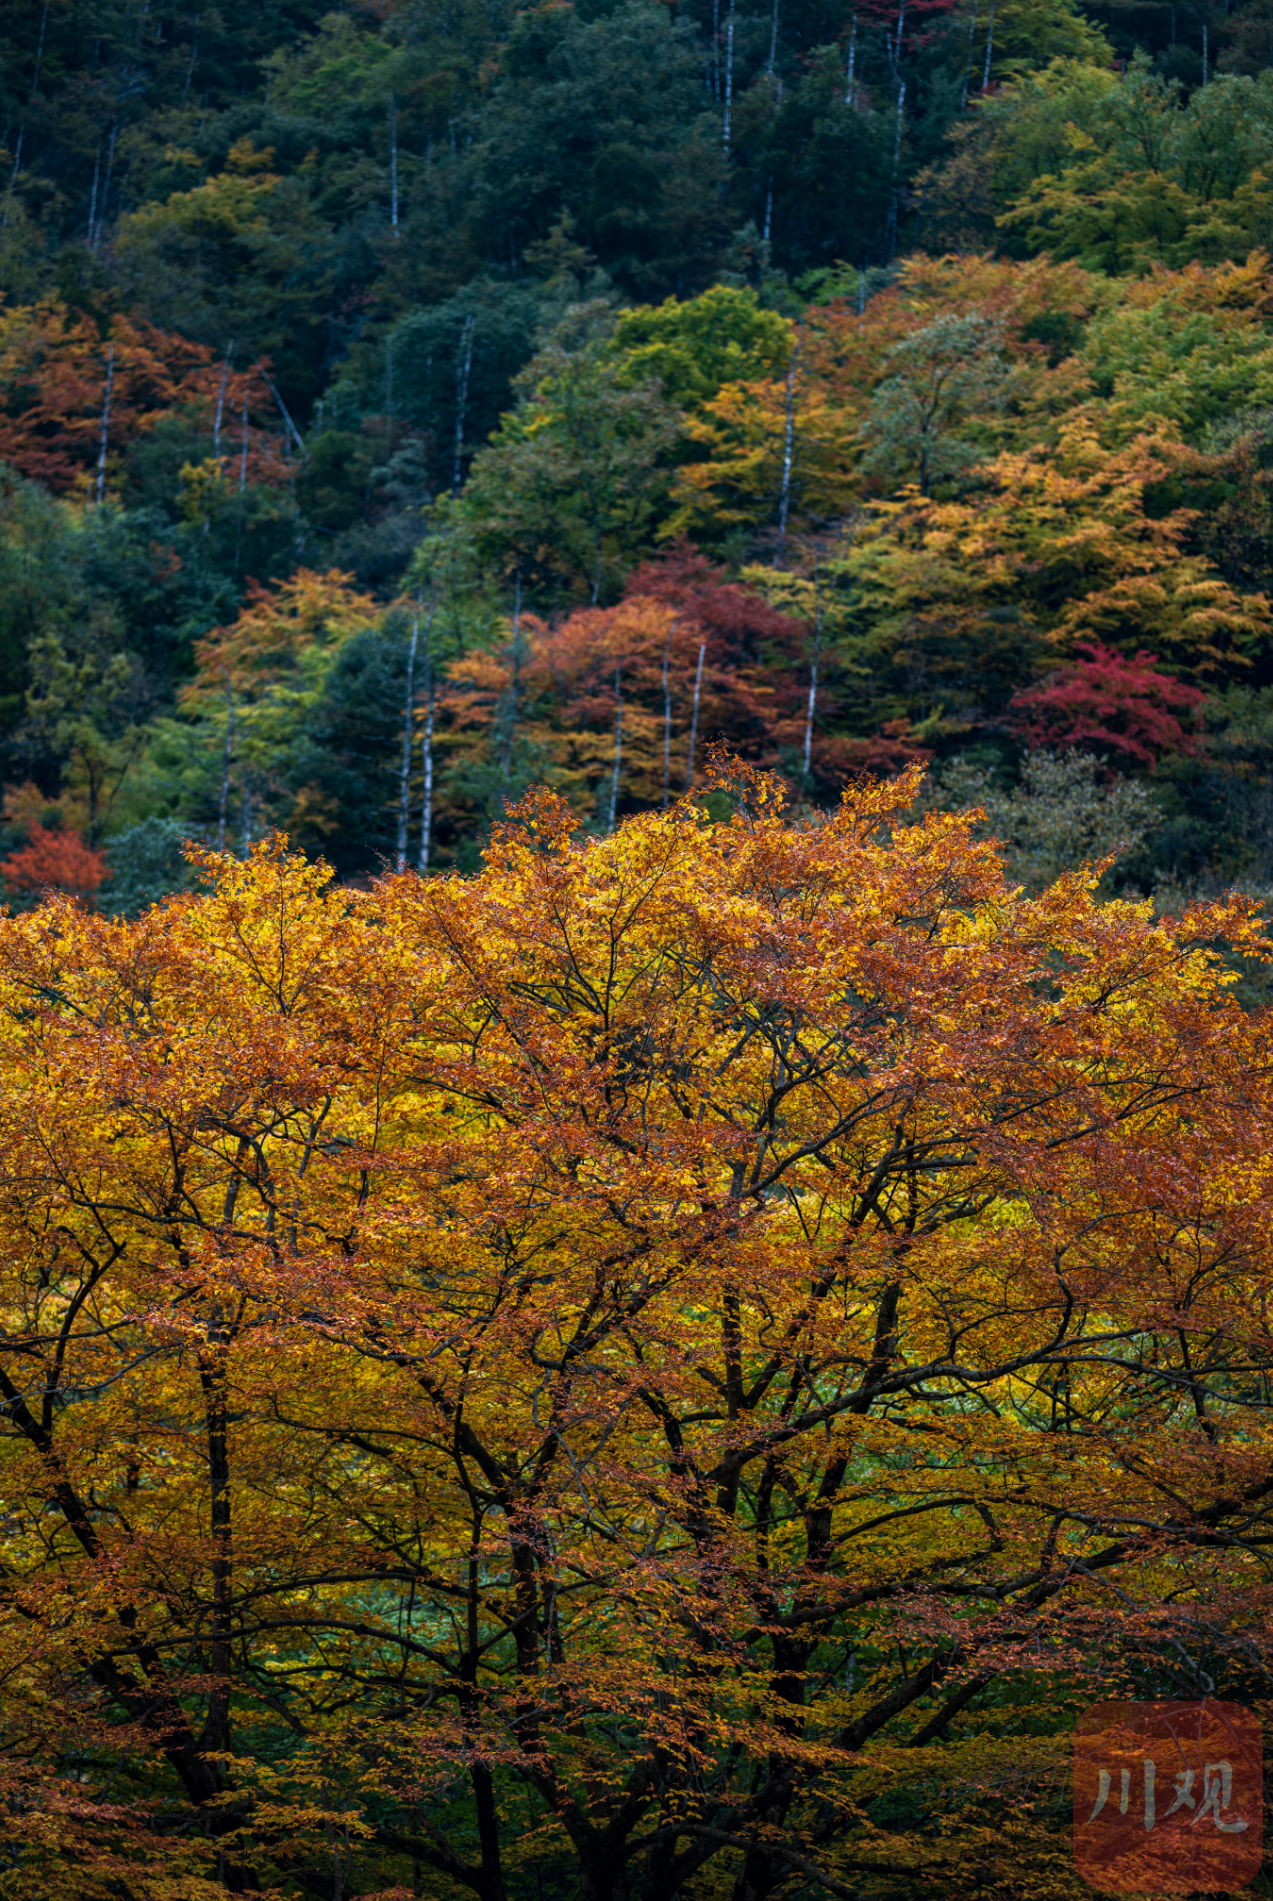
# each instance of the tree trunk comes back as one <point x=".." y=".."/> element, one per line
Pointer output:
<point x="13" y="178"/>
<point x="618" y="747"/>
<point x="462" y="393"/>
<point x="404" y="786"/>
<point x="243" y="482"/>
<point x="729" y="80"/>
<point x="426" y="810"/>
<point x="813" y="683"/>
<point x="990" y="42"/>
<point x="853" y="48"/>
<point x="698" y="685"/>
<point x="226" y="762"/>
<point x="393" y="165"/>
<point x="39" y="55"/>
<point x="216" y="425"/>
<point x="106" y="423"/>
<point x="773" y="43"/>
<point x="510" y="731"/>
<point x="972" y="28"/>
<point x="667" y="718"/>
<point x="92" y="203"/>
<point x="891" y="240"/>
<point x="788" y="447"/>
<point x="194" y="49"/>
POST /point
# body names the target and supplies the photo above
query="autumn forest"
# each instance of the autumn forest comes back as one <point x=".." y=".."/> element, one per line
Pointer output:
<point x="636" y="849"/>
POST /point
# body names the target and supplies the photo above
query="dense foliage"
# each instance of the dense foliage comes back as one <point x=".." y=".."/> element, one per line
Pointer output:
<point x="675" y="1365"/>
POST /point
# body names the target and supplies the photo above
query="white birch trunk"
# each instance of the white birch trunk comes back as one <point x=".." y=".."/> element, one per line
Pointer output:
<point x="462" y="394"/>
<point x="194" y="48"/>
<point x="698" y="687"/>
<point x="404" y="786"/>
<point x="853" y="49"/>
<point x="39" y="55"/>
<point x="891" y="244"/>
<point x="667" y="717"/>
<point x="393" y="165"/>
<point x="990" y="43"/>
<point x="510" y="735"/>
<point x="426" y="809"/>
<point x="618" y="747"/>
<point x="813" y="684"/>
<point x="729" y="73"/>
<point x="788" y="452"/>
<point x="227" y="759"/>
<point x="972" y="28"/>
<point x="216" y="424"/>
<point x="92" y="203"/>
<point x="106" y="424"/>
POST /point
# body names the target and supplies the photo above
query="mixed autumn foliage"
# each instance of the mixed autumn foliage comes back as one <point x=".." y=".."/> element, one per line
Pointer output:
<point x="670" y="1365"/>
<point x="636" y="743"/>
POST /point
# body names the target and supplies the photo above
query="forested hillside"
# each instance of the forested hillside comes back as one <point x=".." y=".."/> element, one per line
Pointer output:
<point x="407" y="402"/>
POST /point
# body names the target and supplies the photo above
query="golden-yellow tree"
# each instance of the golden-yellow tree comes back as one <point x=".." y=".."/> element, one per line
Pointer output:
<point x="673" y="1365"/>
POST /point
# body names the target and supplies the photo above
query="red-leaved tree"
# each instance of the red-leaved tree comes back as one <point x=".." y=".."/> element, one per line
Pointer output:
<point x="56" y="861"/>
<point x="1114" y="703"/>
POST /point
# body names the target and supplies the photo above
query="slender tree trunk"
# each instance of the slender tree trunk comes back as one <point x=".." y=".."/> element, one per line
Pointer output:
<point x="769" y="209"/>
<point x="404" y="788"/>
<point x="426" y="807"/>
<point x="212" y="1379"/>
<point x="393" y="165"/>
<point x="773" y="42"/>
<point x="618" y="747"/>
<point x="106" y="182"/>
<point x="813" y="681"/>
<point x="243" y="482"/>
<point x="972" y="28"/>
<point x="194" y="48"/>
<point x="462" y="393"/>
<point x="891" y="244"/>
<point x="788" y="450"/>
<point x="990" y="44"/>
<point x="1204" y="53"/>
<point x="92" y="203"/>
<point x="729" y="75"/>
<point x="106" y="423"/>
<point x="13" y="178"/>
<point x="39" y="55"/>
<point x="715" y="49"/>
<point x="667" y="716"/>
<point x="853" y="49"/>
<point x="510" y="732"/>
<point x="227" y="760"/>
<point x="288" y="424"/>
<point x="216" y="425"/>
<point x="698" y="687"/>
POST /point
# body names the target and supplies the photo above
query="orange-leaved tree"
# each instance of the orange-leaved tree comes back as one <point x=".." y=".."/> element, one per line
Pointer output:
<point x="55" y="860"/>
<point x="76" y="393"/>
<point x="255" y="675"/>
<point x="672" y="1365"/>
